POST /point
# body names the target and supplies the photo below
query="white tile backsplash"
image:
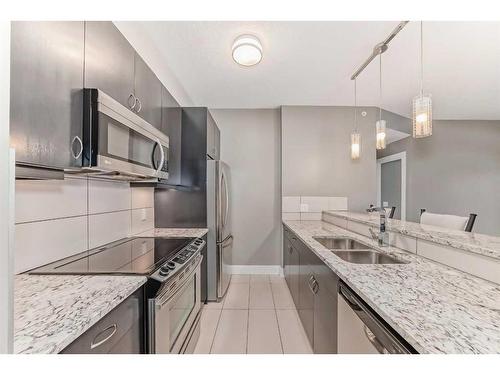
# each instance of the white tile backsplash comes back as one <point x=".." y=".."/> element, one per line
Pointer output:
<point x="290" y="204"/>
<point x="108" y="227"/>
<point x="310" y="216"/>
<point x="56" y="219"/>
<point x="315" y="204"/>
<point x="142" y="220"/>
<point x="42" y="242"/>
<point x="51" y="199"/>
<point x="290" y="215"/>
<point x="310" y="208"/>
<point x="142" y="197"/>
<point x="337" y="203"/>
<point x="107" y="196"/>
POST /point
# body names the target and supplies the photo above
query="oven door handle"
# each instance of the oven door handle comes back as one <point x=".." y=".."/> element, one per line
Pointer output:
<point x="165" y="297"/>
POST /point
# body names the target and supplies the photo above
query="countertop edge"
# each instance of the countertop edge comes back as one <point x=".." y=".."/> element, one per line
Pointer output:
<point x="81" y="327"/>
<point x="457" y="243"/>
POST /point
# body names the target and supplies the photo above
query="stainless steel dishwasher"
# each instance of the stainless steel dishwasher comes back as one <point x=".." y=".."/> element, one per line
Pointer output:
<point x="361" y="331"/>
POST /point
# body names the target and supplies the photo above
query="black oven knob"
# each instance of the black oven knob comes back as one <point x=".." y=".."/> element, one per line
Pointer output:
<point x="164" y="271"/>
<point x="170" y="265"/>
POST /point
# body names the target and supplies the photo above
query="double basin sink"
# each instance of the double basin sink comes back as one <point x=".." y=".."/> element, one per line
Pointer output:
<point x="353" y="251"/>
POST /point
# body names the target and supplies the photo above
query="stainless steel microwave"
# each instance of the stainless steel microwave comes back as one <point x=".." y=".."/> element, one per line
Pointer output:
<point x="117" y="143"/>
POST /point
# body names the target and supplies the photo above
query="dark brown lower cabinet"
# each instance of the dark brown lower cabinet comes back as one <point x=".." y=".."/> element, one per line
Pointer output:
<point x="313" y="286"/>
<point x="121" y="331"/>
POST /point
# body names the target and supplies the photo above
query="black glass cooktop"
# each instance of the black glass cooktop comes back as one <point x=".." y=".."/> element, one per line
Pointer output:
<point x="140" y="255"/>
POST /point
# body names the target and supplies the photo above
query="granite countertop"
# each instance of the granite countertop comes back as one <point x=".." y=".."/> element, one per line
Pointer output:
<point x="435" y="308"/>
<point x="174" y="232"/>
<point x="473" y="242"/>
<point x="51" y="311"/>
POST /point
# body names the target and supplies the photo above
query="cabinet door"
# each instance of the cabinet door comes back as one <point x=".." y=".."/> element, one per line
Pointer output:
<point x="294" y="274"/>
<point x="213" y="138"/>
<point x="287" y="250"/>
<point x="120" y="331"/>
<point x="46" y="97"/>
<point x="148" y="92"/>
<point x="171" y="125"/>
<point x="109" y="61"/>
<point x="306" y="296"/>
<point x="325" y="310"/>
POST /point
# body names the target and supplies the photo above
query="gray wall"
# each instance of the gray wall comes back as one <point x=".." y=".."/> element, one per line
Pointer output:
<point x="455" y="171"/>
<point x="316" y="157"/>
<point x="390" y="178"/>
<point x="250" y="144"/>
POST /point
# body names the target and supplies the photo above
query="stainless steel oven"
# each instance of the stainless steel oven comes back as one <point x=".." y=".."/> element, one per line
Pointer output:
<point x="174" y="314"/>
<point x="118" y="143"/>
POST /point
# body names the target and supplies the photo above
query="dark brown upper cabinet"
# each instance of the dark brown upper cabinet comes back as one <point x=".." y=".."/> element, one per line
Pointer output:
<point x="171" y="125"/>
<point x="46" y="98"/>
<point x="109" y="62"/>
<point x="148" y="93"/>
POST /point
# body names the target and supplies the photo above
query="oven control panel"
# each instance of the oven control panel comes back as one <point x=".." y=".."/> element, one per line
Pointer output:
<point x="189" y="253"/>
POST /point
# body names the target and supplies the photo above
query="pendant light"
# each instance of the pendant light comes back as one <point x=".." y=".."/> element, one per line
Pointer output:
<point x="355" y="135"/>
<point x="422" y="104"/>
<point x="380" y="124"/>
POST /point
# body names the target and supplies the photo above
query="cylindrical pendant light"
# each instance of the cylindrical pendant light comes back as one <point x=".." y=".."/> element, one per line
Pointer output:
<point x="355" y="135"/>
<point x="380" y="124"/>
<point x="422" y="104"/>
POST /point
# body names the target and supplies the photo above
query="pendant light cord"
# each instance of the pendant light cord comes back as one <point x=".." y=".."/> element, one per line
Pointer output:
<point x="421" y="58"/>
<point x="380" y="86"/>
<point x="355" y="108"/>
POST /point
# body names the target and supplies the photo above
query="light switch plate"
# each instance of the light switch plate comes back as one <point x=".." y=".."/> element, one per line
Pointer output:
<point x="143" y="214"/>
<point x="304" y="207"/>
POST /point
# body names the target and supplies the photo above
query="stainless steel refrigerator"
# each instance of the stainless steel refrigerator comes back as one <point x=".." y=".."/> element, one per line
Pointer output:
<point x="220" y="237"/>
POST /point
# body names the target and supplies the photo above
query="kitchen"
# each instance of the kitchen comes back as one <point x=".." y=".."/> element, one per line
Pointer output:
<point x="169" y="192"/>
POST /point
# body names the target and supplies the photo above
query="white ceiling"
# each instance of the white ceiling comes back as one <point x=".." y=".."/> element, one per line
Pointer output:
<point x="310" y="63"/>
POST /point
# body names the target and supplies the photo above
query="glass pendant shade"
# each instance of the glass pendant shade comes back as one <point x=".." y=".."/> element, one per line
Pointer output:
<point x="381" y="134"/>
<point x="355" y="145"/>
<point x="422" y="116"/>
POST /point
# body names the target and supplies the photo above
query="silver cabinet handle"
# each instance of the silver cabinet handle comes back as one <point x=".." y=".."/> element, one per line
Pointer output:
<point x="374" y="341"/>
<point x="132" y="101"/>
<point x="162" y="159"/>
<point x="138" y="101"/>
<point x="95" y="344"/>
<point x="76" y="139"/>
<point x="310" y="283"/>
<point x="315" y="286"/>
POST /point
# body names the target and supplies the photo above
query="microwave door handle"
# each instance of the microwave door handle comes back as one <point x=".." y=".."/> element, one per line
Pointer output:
<point x="162" y="159"/>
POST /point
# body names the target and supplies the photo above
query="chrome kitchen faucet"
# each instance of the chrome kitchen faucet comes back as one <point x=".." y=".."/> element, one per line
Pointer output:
<point x="381" y="236"/>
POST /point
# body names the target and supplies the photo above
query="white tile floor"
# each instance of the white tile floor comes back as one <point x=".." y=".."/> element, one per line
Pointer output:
<point x="257" y="316"/>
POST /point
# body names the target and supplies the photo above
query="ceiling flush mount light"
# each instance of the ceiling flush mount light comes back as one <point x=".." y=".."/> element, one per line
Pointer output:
<point x="355" y="136"/>
<point x="247" y="50"/>
<point x="422" y="104"/>
<point x="380" y="124"/>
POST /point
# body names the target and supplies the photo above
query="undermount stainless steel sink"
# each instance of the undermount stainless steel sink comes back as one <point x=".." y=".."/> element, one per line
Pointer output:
<point x="366" y="257"/>
<point x="353" y="251"/>
<point x="340" y="243"/>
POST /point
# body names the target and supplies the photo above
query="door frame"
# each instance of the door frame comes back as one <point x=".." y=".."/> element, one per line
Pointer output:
<point x="399" y="156"/>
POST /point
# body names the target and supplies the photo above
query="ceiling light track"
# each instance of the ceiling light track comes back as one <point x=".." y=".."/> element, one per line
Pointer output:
<point x="379" y="48"/>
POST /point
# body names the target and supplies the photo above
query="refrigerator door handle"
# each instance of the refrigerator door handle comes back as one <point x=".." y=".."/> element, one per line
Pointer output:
<point x="225" y="240"/>
<point x="226" y="200"/>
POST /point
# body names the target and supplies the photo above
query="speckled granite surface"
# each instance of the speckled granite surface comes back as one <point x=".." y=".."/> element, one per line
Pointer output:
<point x="174" y="232"/>
<point x="435" y="308"/>
<point x="473" y="242"/>
<point x="51" y="311"/>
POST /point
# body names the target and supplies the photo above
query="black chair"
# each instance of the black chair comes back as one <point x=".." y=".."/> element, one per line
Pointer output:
<point x="468" y="226"/>
<point x="393" y="210"/>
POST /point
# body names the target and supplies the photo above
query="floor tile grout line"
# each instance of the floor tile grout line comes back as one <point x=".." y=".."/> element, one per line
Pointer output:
<point x="276" y="317"/>
<point x="215" y="332"/>
<point x="248" y="317"/>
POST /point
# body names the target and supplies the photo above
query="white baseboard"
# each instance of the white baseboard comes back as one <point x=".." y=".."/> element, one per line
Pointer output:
<point x="255" y="270"/>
